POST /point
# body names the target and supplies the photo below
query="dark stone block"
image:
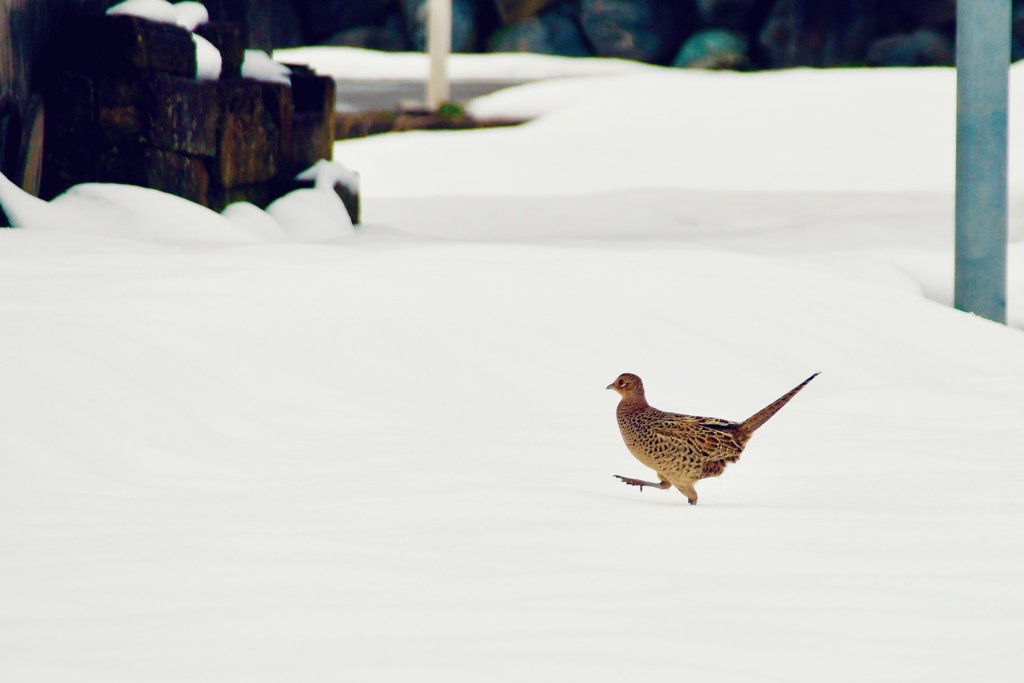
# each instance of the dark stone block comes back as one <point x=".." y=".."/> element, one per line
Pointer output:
<point x="247" y="139"/>
<point x="311" y="93"/>
<point x="108" y="43"/>
<point x="183" y="115"/>
<point x="71" y="103"/>
<point x="121" y="107"/>
<point x="154" y="108"/>
<point x="310" y="137"/>
<point x="227" y="37"/>
<point x="312" y="140"/>
<point x="66" y="167"/>
<point x="277" y="100"/>
<point x="178" y="174"/>
<point x="172" y="172"/>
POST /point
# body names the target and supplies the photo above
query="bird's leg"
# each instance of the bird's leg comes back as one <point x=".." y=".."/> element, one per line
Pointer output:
<point x="688" y="491"/>
<point x="641" y="483"/>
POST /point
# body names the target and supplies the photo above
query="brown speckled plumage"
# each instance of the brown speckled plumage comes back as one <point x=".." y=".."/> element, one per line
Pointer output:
<point x="683" y="449"/>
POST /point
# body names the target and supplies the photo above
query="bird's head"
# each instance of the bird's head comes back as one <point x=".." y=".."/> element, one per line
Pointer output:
<point x="628" y="386"/>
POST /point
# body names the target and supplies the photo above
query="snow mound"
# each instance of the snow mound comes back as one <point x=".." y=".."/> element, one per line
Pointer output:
<point x="188" y="15"/>
<point x="142" y="213"/>
<point x="326" y="174"/>
<point x="154" y="10"/>
<point x="208" y="59"/>
<point x="799" y="130"/>
<point x="256" y="220"/>
<point x="349" y="63"/>
<point x="191" y="14"/>
<point x="258" y="66"/>
<point x="315" y="215"/>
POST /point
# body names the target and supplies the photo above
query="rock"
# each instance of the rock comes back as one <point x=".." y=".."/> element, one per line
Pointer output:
<point x="725" y="13"/>
<point x="644" y="30"/>
<point x="323" y="18"/>
<point x="181" y="114"/>
<point x="464" y="20"/>
<point x="71" y="110"/>
<point x="513" y="11"/>
<point x="1017" y="46"/>
<point x="312" y="124"/>
<point x="714" y="48"/>
<point x="924" y="47"/>
<point x="555" y="32"/>
<point x="936" y="14"/>
<point x="284" y="28"/>
<point x="105" y="43"/>
<point x="173" y="113"/>
<point x="172" y="172"/>
<point x="797" y="33"/>
<point x="244" y="158"/>
<point x="369" y="37"/>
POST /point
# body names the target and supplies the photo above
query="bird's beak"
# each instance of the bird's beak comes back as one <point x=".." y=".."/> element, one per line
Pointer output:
<point x="610" y="386"/>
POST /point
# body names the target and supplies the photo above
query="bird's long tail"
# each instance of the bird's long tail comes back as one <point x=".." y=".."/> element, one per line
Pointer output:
<point x="748" y="426"/>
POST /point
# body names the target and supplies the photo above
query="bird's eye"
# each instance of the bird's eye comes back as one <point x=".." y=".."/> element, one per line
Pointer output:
<point x="622" y="382"/>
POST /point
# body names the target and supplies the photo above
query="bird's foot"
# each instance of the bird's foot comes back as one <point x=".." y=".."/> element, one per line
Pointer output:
<point x="641" y="483"/>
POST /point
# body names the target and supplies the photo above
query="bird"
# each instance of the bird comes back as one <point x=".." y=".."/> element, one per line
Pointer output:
<point x="683" y="449"/>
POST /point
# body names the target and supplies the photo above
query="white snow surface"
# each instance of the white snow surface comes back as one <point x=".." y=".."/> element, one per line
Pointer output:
<point x="356" y="64"/>
<point x="327" y="174"/>
<point x="191" y="14"/>
<point x="259" y="66"/>
<point x="312" y="214"/>
<point x="818" y="130"/>
<point x="230" y="453"/>
<point x="186" y="14"/>
<point x="208" y="59"/>
<point x="154" y="10"/>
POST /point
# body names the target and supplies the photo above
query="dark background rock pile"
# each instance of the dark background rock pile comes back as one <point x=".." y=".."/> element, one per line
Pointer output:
<point x="738" y="34"/>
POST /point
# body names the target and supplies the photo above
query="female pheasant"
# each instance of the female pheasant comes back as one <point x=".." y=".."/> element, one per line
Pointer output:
<point x="683" y="449"/>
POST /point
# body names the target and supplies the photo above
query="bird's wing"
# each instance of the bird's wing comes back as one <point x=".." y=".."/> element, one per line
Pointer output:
<point x="710" y="438"/>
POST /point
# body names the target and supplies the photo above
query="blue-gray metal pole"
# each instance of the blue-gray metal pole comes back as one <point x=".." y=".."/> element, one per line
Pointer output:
<point x="982" y="75"/>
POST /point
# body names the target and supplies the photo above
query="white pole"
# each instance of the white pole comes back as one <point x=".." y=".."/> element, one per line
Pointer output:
<point x="439" y="44"/>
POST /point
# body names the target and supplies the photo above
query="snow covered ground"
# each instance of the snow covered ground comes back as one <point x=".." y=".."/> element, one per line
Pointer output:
<point x="233" y="451"/>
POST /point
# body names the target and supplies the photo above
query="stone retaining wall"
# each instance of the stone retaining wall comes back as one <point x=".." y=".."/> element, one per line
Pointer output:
<point x="129" y="110"/>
